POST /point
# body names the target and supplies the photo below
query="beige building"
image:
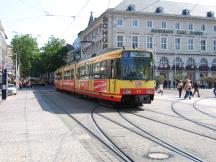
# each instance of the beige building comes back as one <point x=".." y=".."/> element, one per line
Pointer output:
<point x="182" y="35"/>
<point x="3" y="50"/>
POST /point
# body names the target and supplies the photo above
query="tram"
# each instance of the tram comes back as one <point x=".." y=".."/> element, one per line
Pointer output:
<point x="120" y="76"/>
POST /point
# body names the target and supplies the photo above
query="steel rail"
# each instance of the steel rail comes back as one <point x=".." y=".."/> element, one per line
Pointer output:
<point x="89" y="131"/>
<point x="156" y="140"/>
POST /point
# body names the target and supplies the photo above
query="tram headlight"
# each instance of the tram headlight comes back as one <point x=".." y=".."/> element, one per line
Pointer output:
<point x="126" y="91"/>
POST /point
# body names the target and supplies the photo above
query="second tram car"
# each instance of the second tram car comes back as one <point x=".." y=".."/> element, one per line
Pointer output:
<point x="120" y="76"/>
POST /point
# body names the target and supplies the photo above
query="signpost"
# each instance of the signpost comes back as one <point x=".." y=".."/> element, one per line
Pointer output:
<point x="4" y="84"/>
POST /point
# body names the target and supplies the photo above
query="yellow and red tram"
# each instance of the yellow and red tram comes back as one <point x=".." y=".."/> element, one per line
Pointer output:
<point x="123" y="76"/>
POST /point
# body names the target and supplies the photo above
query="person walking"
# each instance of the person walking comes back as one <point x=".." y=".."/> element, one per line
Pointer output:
<point x="214" y="87"/>
<point x="187" y="88"/>
<point x="160" y="89"/>
<point x="196" y="89"/>
<point x="180" y="88"/>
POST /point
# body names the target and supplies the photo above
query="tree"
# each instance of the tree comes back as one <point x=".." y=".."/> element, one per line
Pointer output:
<point x="54" y="54"/>
<point x="24" y="46"/>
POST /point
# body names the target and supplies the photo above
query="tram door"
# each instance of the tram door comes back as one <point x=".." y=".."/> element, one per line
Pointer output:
<point x="112" y="75"/>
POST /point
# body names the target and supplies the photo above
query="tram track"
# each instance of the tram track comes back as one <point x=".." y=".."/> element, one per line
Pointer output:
<point x="154" y="139"/>
<point x="170" y="125"/>
<point x="188" y="119"/>
<point x="111" y="146"/>
<point x="114" y="147"/>
<point x="195" y="106"/>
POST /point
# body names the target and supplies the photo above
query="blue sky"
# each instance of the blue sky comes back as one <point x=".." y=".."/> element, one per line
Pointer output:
<point x="34" y="16"/>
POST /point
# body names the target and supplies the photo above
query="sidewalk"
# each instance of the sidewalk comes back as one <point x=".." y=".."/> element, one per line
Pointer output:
<point x="30" y="134"/>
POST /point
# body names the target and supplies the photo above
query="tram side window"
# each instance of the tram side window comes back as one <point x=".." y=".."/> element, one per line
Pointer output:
<point x="86" y="71"/>
<point x="91" y="71"/>
<point x="103" y="70"/>
<point x="67" y="75"/>
<point x="58" y="76"/>
<point x="82" y="72"/>
<point x="116" y="69"/>
<point x="96" y="70"/>
<point x="72" y="74"/>
<point x="78" y="73"/>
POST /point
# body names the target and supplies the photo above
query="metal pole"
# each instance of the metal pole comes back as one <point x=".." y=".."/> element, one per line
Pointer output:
<point x="16" y="72"/>
<point x="175" y="71"/>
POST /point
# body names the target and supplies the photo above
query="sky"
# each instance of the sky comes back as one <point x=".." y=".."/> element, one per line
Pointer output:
<point x="62" y="19"/>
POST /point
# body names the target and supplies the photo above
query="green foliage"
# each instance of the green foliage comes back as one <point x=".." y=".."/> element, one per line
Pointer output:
<point x="159" y="79"/>
<point x="24" y="46"/>
<point x="179" y="76"/>
<point x="53" y="54"/>
<point x="35" y="62"/>
<point x="209" y="80"/>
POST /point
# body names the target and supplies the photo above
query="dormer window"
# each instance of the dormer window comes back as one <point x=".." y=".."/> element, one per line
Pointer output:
<point x="159" y="10"/>
<point x="186" y="12"/>
<point x="131" y="8"/>
<point x="210" y="14"/>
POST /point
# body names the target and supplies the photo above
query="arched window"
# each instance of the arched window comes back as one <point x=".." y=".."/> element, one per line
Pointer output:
<point x="213" y="68"/>
<point x="131" y="8"/>
<point x="164" y="61"/>
<point x="214" y="62"/>
<point x="178" y="61"/>
<point x="164" y="64"/>
<point x="190" y="62"/>
<point x="203" y="65"/>
<point x="203" y="62"/>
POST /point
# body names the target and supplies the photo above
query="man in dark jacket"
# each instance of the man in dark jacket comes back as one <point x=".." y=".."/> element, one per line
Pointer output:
<point x="196" y="89"/>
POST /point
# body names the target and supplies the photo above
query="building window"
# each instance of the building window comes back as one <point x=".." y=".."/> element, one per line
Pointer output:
<point x="149" y="24"/>
<point x="163" y="42"/>
<point x="190" y="44"/>
<point x="120" y="23"/>
<point x="163" y="24"/>
<point x="214" y="28"/>
<point x="203" y="27"/>
<point x="203" y="45"/>
<point x="190" y="62"/>
<point x="120" y="41"/>
<point x="203" y="62"/>
<point x="177" y="26"/>
<point x="177" y="43"/>
<point x="190" y="26"/>
<point x="214" y="45"/>
<point x="135" y="41"/>
<point x="149" y="42"/>
<point x="135" y="23"/>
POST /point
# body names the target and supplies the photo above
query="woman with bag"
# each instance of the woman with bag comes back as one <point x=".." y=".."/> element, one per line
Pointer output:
<point x="187" y="88"/>
<point x="180" y="88"/>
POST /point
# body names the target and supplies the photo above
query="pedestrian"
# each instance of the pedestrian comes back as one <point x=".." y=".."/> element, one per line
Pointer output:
<point x="187" y="88"/>
<point x="160" y="89"/>
<point x="214" y="87"/>
<point x="20" y="84"/>
<point x="180" y="88"/>
<point x="196" y="89"/>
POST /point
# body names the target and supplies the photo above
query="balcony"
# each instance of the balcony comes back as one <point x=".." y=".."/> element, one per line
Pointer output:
<point x="177" y="67"/>
<point x="213" y="68"/>
<point x="163" y="67"/>
<point x="190" y="67"/>
<point x="204" y="68"/>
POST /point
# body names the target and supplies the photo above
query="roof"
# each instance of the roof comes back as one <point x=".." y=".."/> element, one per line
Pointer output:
<point x="169" y="7"/>
<point x="2" y="30"/>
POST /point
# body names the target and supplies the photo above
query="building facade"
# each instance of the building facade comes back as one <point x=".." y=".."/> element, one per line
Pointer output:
<point x="3" y="50"/>
<point x="182" y="35"/>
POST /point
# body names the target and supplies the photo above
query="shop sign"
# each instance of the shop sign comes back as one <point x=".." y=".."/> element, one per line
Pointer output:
<point x="105" y="32"/>
<point x="183" y="32"/>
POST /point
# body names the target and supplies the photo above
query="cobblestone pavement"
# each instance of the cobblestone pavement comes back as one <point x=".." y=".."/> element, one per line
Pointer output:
<point x="30" y="134"/>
